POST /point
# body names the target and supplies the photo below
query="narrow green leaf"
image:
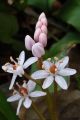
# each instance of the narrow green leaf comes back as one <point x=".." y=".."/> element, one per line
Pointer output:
<point x="71" y="13"/>
<point x="6" y="109"/>
<point x="61" y="47"/>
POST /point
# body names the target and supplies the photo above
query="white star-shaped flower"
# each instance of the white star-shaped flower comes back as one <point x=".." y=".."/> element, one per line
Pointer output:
<point x="54" y="71"/>
<point x="18" y="67"/>
<point x="24" y="95"/>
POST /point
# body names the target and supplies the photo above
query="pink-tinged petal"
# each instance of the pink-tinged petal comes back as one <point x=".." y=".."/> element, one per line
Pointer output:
<point x="61" y="82"/>
<point x="8" y="68"/>
<point x="14" y="98"/>
<point x="42" y="15"/>
<point x="21" y="58"/>
<point x="29" y="42"/>
<point x="44" y="21"/>
<point x="47" y="82"/>
<point x="37" y="94"/>
<point x="31" y="85"/>
<point x="12" y="81"/>
<point x="36" y="34"/>
<point x="29" y="62"/>
<point x="27" y="103"/>
<point x="44" y="29"/>
<point x="62" y="63"/>
<point x="19" y="106"/>
<point x="46" y="65"/>
<point x="40" y="74"/>
<point x="43" y="39"/>
<point x="38" y="50"/>
<point x="38" y="24"/>
<point x="67" y="72"/>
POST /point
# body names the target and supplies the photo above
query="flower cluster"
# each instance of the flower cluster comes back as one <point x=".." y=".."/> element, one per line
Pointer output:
<point x="52" y="70"/>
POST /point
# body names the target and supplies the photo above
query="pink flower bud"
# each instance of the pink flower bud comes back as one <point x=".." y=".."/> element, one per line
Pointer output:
<point x="38" y="50"/>
<point x="29" y="42"/>
<point x="43" y="39"/>
<point x="36" y="34"/>
<point x="42" y="15"/>
<point x="44" y="21"/>
<point x="44" y="29"/>
<point x="38" y="24"/>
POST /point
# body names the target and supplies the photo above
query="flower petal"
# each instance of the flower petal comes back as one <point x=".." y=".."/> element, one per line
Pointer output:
<point x="14" y="98"/>
<point x="46" y="65"/>
<point x="40" y="74"/>
<point x="27" y="102"/>
<point x="37" y="94"/>
<point x="62" y="63"/>
<point x="19" y="106"/>
<point x="61" y="82"/>
<point x="67" y="72"/>
<point x="21" y="58"/>
<point x="31" y="85"/>
<point x="8" y="68"/>
<point x="47" y="82"/>
<point x="12" y="81"/>
<point x="24" y="84"/>
<point x="29" y="62"/>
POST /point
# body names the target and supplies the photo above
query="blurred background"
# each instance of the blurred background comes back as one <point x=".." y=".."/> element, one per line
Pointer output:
<point x="17" y="19"/>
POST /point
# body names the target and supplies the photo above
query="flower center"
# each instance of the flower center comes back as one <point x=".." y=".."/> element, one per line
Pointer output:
<point x="23" y="91"/>
<point x="15" y="66"/>
<point x="53" y="69"/>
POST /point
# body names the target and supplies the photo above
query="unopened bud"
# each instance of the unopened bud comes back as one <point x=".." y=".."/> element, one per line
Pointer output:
<point x="44" y="21"/>
<point x="38" y="50"/>
<point x="44" y="29"/>
<point x="42" y="15"/>
<point x="43" y="39"/>
<point x="38" y="24"/>
<point x="36" y="34"/>
<point x="29" y="42"/>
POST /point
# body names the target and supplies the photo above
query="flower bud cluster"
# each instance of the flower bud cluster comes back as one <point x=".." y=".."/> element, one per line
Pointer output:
<point x="37" y="44"/>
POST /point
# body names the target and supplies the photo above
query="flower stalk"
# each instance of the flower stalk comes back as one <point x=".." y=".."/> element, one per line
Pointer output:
<point x="38" y="112"/>
<point x="55" y="102"/>
<point x="30" y="78"/>
<point x="50" y="104"/>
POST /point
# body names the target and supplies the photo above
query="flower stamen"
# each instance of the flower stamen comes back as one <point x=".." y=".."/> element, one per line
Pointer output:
<point x="53" y="69"/>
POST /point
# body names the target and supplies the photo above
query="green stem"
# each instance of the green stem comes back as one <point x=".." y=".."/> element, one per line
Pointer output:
<point x="30" y="78"/>
<point x="55" y="102"/>
<point x="50" y="104"/>
<point x="38" y="112"/>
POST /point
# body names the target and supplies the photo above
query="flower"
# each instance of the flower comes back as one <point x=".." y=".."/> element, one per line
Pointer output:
<point x="54" y="71"/>
<point x="18" y="67"/>
<point x="37" y="44"/>
<point x="24" y="95"/>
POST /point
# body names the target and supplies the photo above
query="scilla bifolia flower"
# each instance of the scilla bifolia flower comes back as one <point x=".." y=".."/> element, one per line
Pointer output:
<point x="25" y="94"/>
<point x="17" y="68"/>
<point x="40" y="38"/>
<point x="54" y="71"/>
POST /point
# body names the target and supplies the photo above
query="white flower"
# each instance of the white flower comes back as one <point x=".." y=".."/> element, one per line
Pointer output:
<point x="18" y="67"/>
<point x="54" y="71"/>
<point x="24" y="95"/>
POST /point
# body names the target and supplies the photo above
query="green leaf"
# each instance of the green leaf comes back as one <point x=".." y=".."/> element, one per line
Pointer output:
<point x="6" y="109"/>
<point x="2" y="117"/>
<point x="61" y="48"/>
<point x="37" y="3"/>
<point x="51" y="2"/>
<point x="71" y="13"/>
<point x="8" y="27"/>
